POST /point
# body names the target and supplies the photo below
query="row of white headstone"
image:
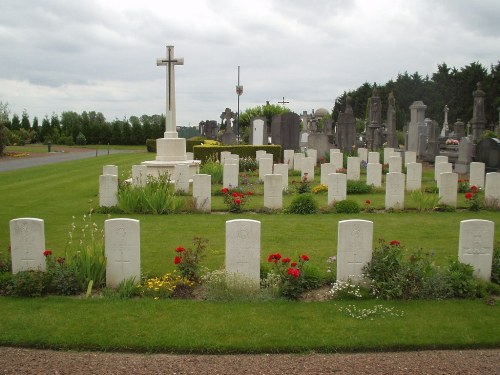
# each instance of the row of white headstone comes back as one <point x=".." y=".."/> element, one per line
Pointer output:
<point x="243" y="247"/>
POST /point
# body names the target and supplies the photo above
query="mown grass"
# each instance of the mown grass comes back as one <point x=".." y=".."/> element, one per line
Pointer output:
<point x="59" y="192"/>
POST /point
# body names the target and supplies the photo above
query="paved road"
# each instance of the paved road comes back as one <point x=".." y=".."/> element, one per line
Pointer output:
<point x="55" y="157"/>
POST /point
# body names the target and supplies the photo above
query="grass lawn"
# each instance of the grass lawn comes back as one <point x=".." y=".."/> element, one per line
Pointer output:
<point x="59" y="192"/>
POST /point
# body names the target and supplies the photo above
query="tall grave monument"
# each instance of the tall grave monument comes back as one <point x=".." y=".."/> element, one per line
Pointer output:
<point x="392" y="137"/>
<point x="170" y="150"/>
<point x="346" y="127"/>
<point x="478" y="118"/>
<point x="373" y="136"/>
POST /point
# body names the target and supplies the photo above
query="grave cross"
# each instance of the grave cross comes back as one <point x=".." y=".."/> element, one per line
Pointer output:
<point x="283" y="102"/>
<point x="170" y="62"/>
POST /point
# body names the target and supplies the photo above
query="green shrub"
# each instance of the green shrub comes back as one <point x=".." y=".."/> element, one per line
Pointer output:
<point x="218" y="285"/>
<point x="303" y="204"/>
<point x="213" y="168"/>
<point x="358" y="187"/>
<point x="461" y="279"/>
<point x="424" y="201"/>
<point x="28" y="284"/>
<point x="5" y="280"/>
<point x="248" y="164"/>
<point x="62" y="277"/>
<point x="80" y="139"/>
<point x="151" y="145"/>
<point x="495" y="267"/>
<point x="346" y="206"/>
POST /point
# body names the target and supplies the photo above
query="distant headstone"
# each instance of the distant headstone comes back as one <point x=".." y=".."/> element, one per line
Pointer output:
<point x="298" y="158"/>
<point x="282" y="170"/>
<point x="392" y="138"/>
<point x="265" y="167"/>
<point x="318" y="142"/>
<point x="139" y="175"/>
<point x="442" y="168"/>
<point x="448" y="184"/>
<point x="373" y="140"/>
<point x="288" y="158"/>
<point x="337" y="159"/>
<point x="273" y="191"/>
<point x="354" y="249"/>
<point x="373" y="157"/>
<point x="388" y="152"/>
<point x="258" y="131"/>
<point x="476" y="246"/>
<point x="122" y="243"/>
<point x="108" y="189"/>
<point x="182" y="174"/>
<point x="326" y="169"/>
<point x="395" y="164"/>
<point x="492" y="189"/>
<point x="374" y="174"/>
<point x="363" y="154"/>
<point x="230" y="176"/>
<point x="413" y="176"/>
<point x="417" y="117"/>
<point x="313" y="153"/>
<point x="353" y="168"/>
<point x="110" y="169"/>
<point x="395" y="191"/>
<point x="488" y="152"/>
<point x="224" y="155"/>
<point x="410" y="157"/>
<point x="308" y="164"/>
<point x="202" y="192"/>
<point x="243" y="248"/>
<point x="465" y="153"/>
<point x="478" y="117"/>
<point x="285" y="130"/>
<point x="27" y="244"/>
<point x="228" y="137"/>
<point x="477" y="174"/>
<point x="337" y="187"/>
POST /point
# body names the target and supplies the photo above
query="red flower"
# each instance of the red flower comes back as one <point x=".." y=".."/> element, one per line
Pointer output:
<point x="235" y="194"/>
<point x="473" y="189"/>
<point x="304" y="257"/>
<point x="468" y="196"/>
<point x="225" y="190"/>
<point x="286" y="260"/>
<point x="249" y="193"/>
<point x="47" y="253"/>
<point x="241" y="195"/>
<point x="177" y="260"/>
<point x="295" y="272"/>
<point x="180" y="249"/>
<point x="394" y="243"/>
<point x="237" y="201"/>
<point x="293" y="264"/>
<point x="368" y="201"/>
<point x="60" y="260"/>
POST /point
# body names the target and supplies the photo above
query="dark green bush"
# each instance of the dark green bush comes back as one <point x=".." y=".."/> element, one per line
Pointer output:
<point x="5" y="280"/>
<point x="346" y="207"/>
<point x="495" y="267"/>
<point x="358" y="187"/>
<point x="303" y="204"/>
<point x="80" y="139"/>
<point x="62" y="278"/>
<point x="28" y="284"/>
<point x="151" y="145"/>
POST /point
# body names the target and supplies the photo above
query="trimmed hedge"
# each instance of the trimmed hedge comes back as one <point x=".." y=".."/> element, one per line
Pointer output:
<point x="204" y="153"/>
<point x="151" y="145"/>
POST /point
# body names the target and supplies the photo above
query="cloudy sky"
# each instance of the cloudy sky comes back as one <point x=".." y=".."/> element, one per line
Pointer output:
<point x="71" y="55"/>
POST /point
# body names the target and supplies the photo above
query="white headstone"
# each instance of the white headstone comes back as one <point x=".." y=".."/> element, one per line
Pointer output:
<point x="374" y="174"/>
<point x="477" y="170"/>
<point x="122" y="243"/>
<point x="326" y="169"/>
<point x="224" y="155"/>
<point x="182" y="174"/>
<point x="139" y="175"/>
<point x="337" y="159"/>
<point x="311" y="152"/>
<point x="388" y="152"/>
<point x="395" y="164"/>
<point x="413" y="176"/>
<point x="27" y="244"/>
<point x="443" y="168"/>
<point x="337" y="187"/>
<point x="410" y="157"/>
<point x="288" y="158"/>
<point x="448" y="184"/>
<point x="202" y="192"/>
<point x="308" y="164"/>
<point x="265" y="167"/>
<point x="363" y="154"/>
<point x="282" y="169"/>
<point x="273" y="191"/>
<point x="297" y="161"/>
<point x="108" y="189"/>
<point x="395" y="191"/>
<point x="440" y="159"/>
<point x="334" y="150"/>
<point x="258" y="125"/>
<point x="353" y="168"/>
<point x="354" y="249"/>
<point x="110" y="169"/>
<point x="373" y="157"/>
<point x="475" y="246"/>
<point x="243" y="248"/>
<point x="259" y="154"/>
<point x="492" y="189"/>
<point x="230" y="176"/>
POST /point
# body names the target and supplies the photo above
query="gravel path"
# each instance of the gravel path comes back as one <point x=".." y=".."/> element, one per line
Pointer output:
<point x="29" y="361"/>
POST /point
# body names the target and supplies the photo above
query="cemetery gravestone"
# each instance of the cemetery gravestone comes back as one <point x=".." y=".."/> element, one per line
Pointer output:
<point x="410" y="157"/>
<point x="182" y="178"/>
<point x="297" y="161"/>
<point x="122" y="243"/>
<point x="273" y="191"/>
<point x="285" y="130"/>
<point x="373" y="157"/>
<point x="363" y="154"/>
<point x="202" y="192"/>
<point x="353" y="168"/>
<point x="326" y="169"/>
<point x="388" y="152"/>
<point x="308" y="168"/>
<point x="465" y="153"/>
<point x="139" y="175"/>
<point x="354" y="249"/>
<point x="413" y="176"/>
<point x="374" y="174"/>
<point x="417" y="117"/>
<point x="492" y="189"/>
<point x="108" y="189"/>
<point x="27" y="244"/>
<point x="337" y="187"/>
<point x="394" y="191"/>
<point x="337" y="159"/>
<point x="288" y="158"/>
<point x="476" y="178"/>
<point x="282" y="170"/>
<point x="230" y="176"/>
<point x="476" y="246"/>
<point x="395" y="164"/>
<point x="443" y="168"/>
<point x="313" y="154"/>
<point x="224" y="155"/>
<point x="243" y="248"/>
<point x="265" y="167"/>
<point x="110" y="169"/>
<point x="258" y="131"/>
<point x="448" y="189"/>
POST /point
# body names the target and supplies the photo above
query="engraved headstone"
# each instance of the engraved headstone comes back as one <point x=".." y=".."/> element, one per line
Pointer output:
<point x="442" y="168"/>
<point x="476" y="246"/>
<point x="395" y="164"/>
<point x="374" y="174"/>
<point x="413" y="176"/>
<point x="139" y="175"/>
<point x="492" y="189"/>
<point x="326" y="169"/>
<point x="448" y="184"/>
<point x="243" y="248"/>
<point x="273" y="191"/>
<point x="353" y="168"/>
<point x="258" y="131"/>
<point x="110" y="169"/>
<point x="354" y="249"/>
<point x="202" y="193"/>
<point x="182" y="175"/>
<point x="27" y="244"/>
<point x="288" y="158"/>
<point x="230" y="176"/>
<point x="337" y="159"/>
<point x="282" y="170"/>
<point x="395" y="191"/>
<point x="410" y="157"/>
<point x="373" y="157"/>
<point x="308" y="168"/>
<point x="477" y="175"/>
<point x="297" y="161"/>
<point x="337" y="187"/>
<point x="108" y="190"/>
<point x="265" y="167"/>
<point x="363" y="154"/>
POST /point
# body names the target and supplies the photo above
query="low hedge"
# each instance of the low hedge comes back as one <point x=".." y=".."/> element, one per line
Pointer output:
<point x="204" y="153"/>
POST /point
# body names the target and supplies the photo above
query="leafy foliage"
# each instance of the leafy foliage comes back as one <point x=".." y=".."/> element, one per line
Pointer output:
<point x="303" y="204"/>
<point x="346" y="206"/>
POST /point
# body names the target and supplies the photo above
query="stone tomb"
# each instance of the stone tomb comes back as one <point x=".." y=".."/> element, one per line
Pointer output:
<point x="230" y="175"/>
<point x="475" y="246"/>
<point x="395" y="191"/>
<point x="108" y="189"/>
<point x="448" y="189"/>
<point x="202" y="192"/>
<point x="413" y="176"/>
<point x="243" y="248"/>
<point x="337" y="187"/>
<point x="122" y="243"/>
<point x="273" y="191"/>
<point x="492" y="189"/>
<point x="353" y="168"/>
<point x="27" y="244"/>
<point x="354" y="249"/>
<point x="477" y="170"/>
<point x="374" y="174"/>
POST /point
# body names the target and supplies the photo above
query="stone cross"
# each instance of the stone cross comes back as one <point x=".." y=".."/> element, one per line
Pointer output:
<point x="170" y="62"/>
<point x="228" y="115"/>
<point x="283" y="102"/>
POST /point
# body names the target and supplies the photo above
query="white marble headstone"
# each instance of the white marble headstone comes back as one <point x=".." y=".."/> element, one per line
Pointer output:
<point x="354" y="249"/>
<point x="230" y="175"/>
<point x="353" y="168"/>
<point x="448" y="188"/>
<point x="243" y="248"/>
<point x="273" y="191"/>
<point x="27" y="244"/>
<point x="374" y="174"/>
<point x="326" y="169"/>
<point x="282" y="169"/>
<point x="202" y="192"/>
<point x="395" y="191"/>
<point x="110" y="169"/>
<point x="337" y="187"/>
<point x="288" y="158"/>
<point x="108" y="190"/>
<point x="265" y="166"/>
<point x="413" y="176"/>
<point x="139" y="175"/>
<point x="476" y="246"/>
<point x="477" y="174"/>
<point x="337" y="159"/>
<point x="308" y="164"/>
<point x="492" y="189"/>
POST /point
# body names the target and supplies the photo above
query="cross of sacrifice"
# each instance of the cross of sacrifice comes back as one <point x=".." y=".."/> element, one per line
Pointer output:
<point x="170" y="62"/>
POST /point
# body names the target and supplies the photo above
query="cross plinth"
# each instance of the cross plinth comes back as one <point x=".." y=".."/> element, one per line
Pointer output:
<point x="170" y="62"/>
